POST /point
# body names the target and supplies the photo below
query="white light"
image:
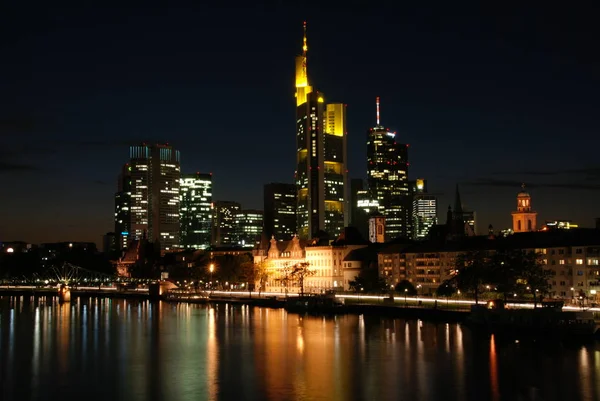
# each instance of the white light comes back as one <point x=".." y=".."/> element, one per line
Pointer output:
<point x="10" y="250"/>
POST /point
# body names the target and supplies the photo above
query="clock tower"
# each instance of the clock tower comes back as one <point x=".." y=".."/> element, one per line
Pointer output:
<point x="524" y="219"/>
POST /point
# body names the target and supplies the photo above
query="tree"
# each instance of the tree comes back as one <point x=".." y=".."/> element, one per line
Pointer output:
<point x="473" y="270"/>
<point x="503" y="273"/>
<point x="299" y="272"/>
<point x="446" y="288"/>
<point x="368" y="280"/>
<point x="531" y="271"/>
<point x="261" y="275"/>
<point x="405" y="287"/>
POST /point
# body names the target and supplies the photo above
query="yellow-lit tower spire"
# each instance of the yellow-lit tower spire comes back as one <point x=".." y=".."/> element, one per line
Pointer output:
<point x="302" y="87"/>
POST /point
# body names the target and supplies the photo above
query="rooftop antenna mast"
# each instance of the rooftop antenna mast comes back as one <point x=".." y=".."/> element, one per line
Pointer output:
<point x="377" y="102"/>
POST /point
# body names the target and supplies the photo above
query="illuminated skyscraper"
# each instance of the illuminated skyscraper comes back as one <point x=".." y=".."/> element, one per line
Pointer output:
<point x="122" y="208"/>
<point x="195" y="209"/>
<point x="387" y="171"/>
<point x="249" y="226"/>
<point x="280" y="211"/>
<point x="321" y="175"/>
<point x="224" y="227"/>
<point x="424" y="210"/>
<point x="155" y="174"/>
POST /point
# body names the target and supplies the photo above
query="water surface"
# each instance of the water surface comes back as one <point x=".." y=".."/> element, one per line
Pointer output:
<point x="102" y="349"/>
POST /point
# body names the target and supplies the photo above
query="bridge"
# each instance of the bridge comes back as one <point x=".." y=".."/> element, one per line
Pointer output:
<point x="73" y="276"/>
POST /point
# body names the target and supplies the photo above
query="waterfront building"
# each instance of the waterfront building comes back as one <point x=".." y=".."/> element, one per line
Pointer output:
<point x="572" y="255"/>
<point x="249" y="226"/>
<point x="224" y="226"/>
<point x="387" y="170"/>
<point x="321" y="172"/>
<point x="424" y="210"/>
<point x="195" y="208"/>
<point x="280" y="210"/>
<point x="325" y="259"/>
<point x="154" y="205"/>
<point x="122" y="208"/>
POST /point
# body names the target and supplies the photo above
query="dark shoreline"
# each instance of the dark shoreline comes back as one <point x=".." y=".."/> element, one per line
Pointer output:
<point x="429" y="314"/>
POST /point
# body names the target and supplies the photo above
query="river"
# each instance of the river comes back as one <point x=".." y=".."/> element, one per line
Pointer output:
<point x="103" y="349"/>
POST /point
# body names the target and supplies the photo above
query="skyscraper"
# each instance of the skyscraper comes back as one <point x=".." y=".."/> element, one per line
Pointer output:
<point x="155" y="174"/>
<point x="249" y="226"/>
<point x="387" y="177"/>
<point x="321" y="174"/>
<point x="195" y="208"/>
<point x="224" y="225"/>
<point x="280" y="211"/>
<point x="122" y="208"/>
<point x="424" y="210"/>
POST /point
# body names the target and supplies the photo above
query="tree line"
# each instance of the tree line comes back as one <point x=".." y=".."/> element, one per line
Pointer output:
<point x="510" y="272"/>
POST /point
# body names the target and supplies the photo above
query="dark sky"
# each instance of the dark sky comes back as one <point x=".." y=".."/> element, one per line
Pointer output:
<point x="486" y="97"/>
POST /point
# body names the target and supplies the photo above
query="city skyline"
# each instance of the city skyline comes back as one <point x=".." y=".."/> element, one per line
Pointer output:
<point x="72" y="114"/>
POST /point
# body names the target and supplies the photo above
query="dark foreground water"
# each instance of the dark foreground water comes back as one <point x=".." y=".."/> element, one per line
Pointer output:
<point x="134" y="350"/>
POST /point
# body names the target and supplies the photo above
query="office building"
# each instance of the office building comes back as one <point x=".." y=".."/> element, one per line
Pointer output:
<point x="321" y="173"/>
<point x="154" y="211"/>
<point x="387" y="170"/>
<point x="195" y="208"/>
<point x="249" y="226"/>
<point x="424" y="210"/>
<point x="280" y="211"/>
<point x="224" y="226"/>
<point x="122" y="208"/>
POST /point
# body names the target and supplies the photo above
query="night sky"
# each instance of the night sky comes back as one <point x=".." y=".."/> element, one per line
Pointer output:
<point x="486" y="98"/>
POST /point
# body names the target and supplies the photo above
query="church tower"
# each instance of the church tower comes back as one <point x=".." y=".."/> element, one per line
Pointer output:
<point x="524" y="219"/>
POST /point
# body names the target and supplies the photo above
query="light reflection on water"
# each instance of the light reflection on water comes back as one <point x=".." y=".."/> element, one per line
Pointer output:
<point x="134" y="350"/>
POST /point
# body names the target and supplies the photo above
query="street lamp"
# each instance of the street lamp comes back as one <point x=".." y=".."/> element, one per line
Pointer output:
<point x="405" y="292"/>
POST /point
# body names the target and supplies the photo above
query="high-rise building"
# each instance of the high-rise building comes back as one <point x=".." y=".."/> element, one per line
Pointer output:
<point x="524" y="218"/>
<point x="155" y="174"/>
<point x="280" y="211"/>
<point x="122" y="208"/>
<point x="249" y="226"/>
<point x="321" y="174"/>
<point x="424" y="210"/>
<point x="224" y="226"/>
<point x="195" y="209"/>
<point x="387" y="179"/>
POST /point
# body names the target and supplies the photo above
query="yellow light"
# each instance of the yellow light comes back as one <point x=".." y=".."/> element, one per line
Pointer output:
<point x="320" y="99"/>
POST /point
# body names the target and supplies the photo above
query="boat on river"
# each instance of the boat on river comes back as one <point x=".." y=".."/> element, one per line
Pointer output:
<point x="319" y="304"/>
<point x="548" y="321"/>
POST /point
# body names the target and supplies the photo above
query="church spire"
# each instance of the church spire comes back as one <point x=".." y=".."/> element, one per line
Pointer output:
<point x="457" y="202"/>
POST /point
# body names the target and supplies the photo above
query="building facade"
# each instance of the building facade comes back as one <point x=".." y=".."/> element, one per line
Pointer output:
<point x="572" y="255"/>
<point x="224" y="226"/>
<point x="321" y="173"/>
<point x="387" y="176"/>
<point x="154" y="204"/>
<point x="280" y="211"/>
<point x="123" y="208"/>
<point x="328" y="262"/>
<point x="424" y="211"/>
<point x="249" y="226"/>
<point x="195" y="208"/>
<point x="524" y="218"/>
